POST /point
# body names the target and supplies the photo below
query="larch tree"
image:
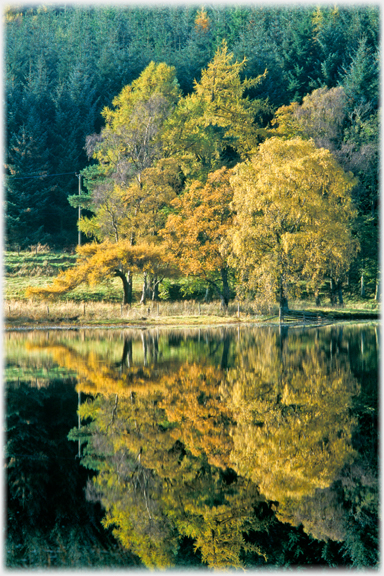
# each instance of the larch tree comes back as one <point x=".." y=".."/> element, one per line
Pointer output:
<point x="97" y="262"/>
<point x="293" y="218"/>
<point x="192" y="396"/>
<point x="216" y="125"/>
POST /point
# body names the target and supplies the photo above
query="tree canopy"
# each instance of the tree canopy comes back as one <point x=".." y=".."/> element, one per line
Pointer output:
<point x="195" y="233"/>
<point x="100" y="261"/>
<point x="293" y="211"/>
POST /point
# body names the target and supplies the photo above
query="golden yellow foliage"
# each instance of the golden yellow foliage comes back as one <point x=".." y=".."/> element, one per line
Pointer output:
<point x="192" y="400"/>
<point x="214" y="118"/>
<point x="293" y="420"/>
<point x="202" y="21"/>
<point x="130" y="190"/>
<point x="145" y="201"/>
<point x="100" y="261"/>
<point x="293" y="216"/>
<point x="195" y="234"/>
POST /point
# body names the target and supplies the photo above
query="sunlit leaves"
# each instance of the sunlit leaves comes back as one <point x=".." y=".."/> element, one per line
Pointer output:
<point x="294" y="210"/>
<point x="100" y="261"/>
<point x="215" y="125"/>
<point x="128" y="145"/>
<point x="196" y="232"/>
<point x="193" y="398"/>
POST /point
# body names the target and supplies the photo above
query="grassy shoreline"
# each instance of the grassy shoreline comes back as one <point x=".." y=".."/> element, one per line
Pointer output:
<point x="99" y="306"/>
<point x="21" y="314"/>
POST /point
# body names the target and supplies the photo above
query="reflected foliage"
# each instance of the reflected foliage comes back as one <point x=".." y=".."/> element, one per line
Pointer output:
<point x="294" y="426"/>
<point x="232" y="450"/>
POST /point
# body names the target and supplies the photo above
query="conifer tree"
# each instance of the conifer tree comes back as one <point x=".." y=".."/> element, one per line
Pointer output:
<point x="98" y="262"/>
<point x="217" y="124"/>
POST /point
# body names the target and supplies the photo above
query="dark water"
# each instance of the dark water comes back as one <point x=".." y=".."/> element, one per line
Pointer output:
<point x="215" y="448"/>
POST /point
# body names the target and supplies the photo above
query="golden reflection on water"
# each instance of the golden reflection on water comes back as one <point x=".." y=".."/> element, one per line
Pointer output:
<point x="275" y="407"/>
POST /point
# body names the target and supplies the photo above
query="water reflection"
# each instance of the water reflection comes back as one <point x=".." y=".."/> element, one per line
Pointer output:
<point x="230" y="448"/>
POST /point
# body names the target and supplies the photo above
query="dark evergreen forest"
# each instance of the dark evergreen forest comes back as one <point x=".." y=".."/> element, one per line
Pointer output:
<point x="65" y="64"/>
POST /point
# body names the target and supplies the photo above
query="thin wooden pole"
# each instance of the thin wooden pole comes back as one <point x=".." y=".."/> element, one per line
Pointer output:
<point x="79" y="214"/>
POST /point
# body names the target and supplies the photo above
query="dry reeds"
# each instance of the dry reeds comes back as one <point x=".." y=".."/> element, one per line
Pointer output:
<point x="39" y="311"/>
<point x="26" y="312"/>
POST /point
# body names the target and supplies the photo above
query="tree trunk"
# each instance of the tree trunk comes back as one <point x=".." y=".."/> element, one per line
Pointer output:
<point x="127" y="353"/>
<point x="127" y="287"/>
<point x="283" y="300"/>
<point x="130" y="282"/>
<point x="145" y="348"/>
<point x="339" y="293"/>
<point x="155" y="289"/>
<point x="224" y="356"/>
<point x="225" y="292"/>
<point x="332" y="291"/>
<point x="145" y="288"/>
<point x="155" y="348"/>
<point x="362" y="287"/>
<point x="377" y="293"/>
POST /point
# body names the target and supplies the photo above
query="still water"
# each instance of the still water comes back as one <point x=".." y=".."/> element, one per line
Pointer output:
<point x="244" y="448"/>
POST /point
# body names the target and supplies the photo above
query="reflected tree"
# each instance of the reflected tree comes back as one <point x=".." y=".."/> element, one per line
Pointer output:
<point x="294" y="423"/>
<point x="218" y="464"/>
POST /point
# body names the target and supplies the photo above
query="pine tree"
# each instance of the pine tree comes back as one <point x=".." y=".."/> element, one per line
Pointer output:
<point x="361" y="79"/>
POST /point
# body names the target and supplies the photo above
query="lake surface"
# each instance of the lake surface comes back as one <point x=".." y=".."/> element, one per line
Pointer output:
<point x="227" y="447"/>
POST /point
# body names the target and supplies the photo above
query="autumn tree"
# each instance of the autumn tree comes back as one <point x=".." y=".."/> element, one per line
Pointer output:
<point x="293" y="218"/>
<point x="123" y="440"/>
<point x="153" y="490"/>
<point x="349" y="128"/>
<point x="217" y="124"/>
<point x="122" y="437"/>
<point x="192" y="396"/>
<point x="223" y="513"/>
<point x="97" y="262"/>
<point x="128" y="145"/>
<point x="294" y="425"/>
<point x="131" y="186"/>
<point x="195" y="234"/>
<point x="202" y="21"/>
